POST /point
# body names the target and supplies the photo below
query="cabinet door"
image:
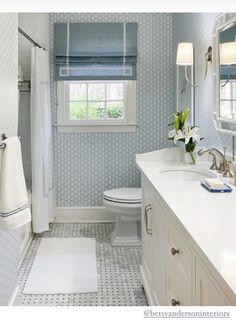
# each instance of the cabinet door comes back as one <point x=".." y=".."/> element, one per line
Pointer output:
<point x="147" y="244"/>
<point x="206" y="293"/>
<point x="178" y="274"/>
<point x="159" y="255"/>
<point x="153" y="255"/>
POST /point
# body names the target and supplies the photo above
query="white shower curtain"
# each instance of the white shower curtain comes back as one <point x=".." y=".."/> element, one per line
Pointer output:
<point x="43" y="201"/>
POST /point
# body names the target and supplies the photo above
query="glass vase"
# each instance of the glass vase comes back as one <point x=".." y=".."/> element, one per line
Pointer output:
<point x="190" y="157"/>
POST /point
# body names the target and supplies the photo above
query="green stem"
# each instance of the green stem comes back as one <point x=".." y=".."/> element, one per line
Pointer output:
<point x="192" y="157"/>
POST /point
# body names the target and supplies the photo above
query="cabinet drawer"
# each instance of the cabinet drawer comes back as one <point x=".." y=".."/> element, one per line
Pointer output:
<point x="178" y="269"/>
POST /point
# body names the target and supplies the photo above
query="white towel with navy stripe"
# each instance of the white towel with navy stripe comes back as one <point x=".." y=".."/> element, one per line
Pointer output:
<point x="14" y="204"/>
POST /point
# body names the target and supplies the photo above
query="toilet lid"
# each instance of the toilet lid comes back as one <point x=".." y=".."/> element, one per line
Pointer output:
<point x="125" y="195"/>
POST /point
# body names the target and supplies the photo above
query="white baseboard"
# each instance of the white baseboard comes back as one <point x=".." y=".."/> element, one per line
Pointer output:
<point x="26" y="246"/>
<point x="83" y="214"/>
<point x="12" y="299"/>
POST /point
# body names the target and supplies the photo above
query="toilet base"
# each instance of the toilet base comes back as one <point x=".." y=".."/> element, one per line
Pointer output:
<point x="126" y="233"/>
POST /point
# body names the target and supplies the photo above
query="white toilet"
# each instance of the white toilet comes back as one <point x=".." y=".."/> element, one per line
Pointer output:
<point x="125" y="203"/>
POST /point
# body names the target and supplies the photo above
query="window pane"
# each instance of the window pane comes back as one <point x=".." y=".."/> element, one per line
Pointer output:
<point x="226" y="90"/>
<point x="115" y="110"/>
<point x="96" y="91"/>
<point x="78" y="110"/>
<point x="77" y="92"/>
<point x="115" y="91"/>
<point x="96" y="110"/>
<point x="226" y="109"/>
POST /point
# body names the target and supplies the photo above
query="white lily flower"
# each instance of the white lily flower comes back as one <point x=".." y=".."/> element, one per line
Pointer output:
<point x="179" y="135"/>
<point x="185" y="133"/>
<point x="172" y="133"/>
<point x="191" y="133"/>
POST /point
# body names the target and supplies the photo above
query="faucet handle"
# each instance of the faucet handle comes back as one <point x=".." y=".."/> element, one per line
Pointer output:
<point x="214" y="165"/>
<point x="227" y="173"/>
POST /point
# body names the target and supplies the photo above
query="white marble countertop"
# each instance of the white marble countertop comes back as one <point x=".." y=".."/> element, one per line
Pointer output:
<point x="210" y="218"/>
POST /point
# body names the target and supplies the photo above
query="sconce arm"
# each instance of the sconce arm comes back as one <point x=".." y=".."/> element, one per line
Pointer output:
<point x="208" y="58"/>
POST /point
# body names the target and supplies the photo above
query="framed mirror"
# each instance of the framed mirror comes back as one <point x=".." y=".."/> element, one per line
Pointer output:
<point x="224" y="73"/>
<point x="185" y="92"/>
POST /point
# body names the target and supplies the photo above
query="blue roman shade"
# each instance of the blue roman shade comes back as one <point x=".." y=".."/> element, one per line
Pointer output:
<point x="94" y="51"/>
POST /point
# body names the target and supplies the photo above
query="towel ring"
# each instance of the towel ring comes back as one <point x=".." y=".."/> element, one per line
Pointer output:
<point x="4" y="137"/>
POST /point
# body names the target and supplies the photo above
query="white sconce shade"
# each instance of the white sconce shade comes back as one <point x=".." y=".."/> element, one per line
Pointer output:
<point x="228" y="53"/>
<point x="184" y="54"/>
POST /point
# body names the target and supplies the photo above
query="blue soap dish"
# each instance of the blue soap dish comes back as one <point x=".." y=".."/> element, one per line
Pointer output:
<point x="225" y="189"/>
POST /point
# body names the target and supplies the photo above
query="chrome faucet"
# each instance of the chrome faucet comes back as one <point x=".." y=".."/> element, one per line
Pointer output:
<point x="224" y="166"/>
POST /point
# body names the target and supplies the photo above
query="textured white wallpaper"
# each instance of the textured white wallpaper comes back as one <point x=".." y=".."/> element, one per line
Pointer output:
<point x="9" y="240"/>
<point x="86" y="164"/>
<point x="36" y="25"/>
<point x="8" y="74"/>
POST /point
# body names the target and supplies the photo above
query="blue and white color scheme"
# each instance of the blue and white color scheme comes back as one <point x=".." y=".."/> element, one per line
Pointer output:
<point x="86" y="164"/>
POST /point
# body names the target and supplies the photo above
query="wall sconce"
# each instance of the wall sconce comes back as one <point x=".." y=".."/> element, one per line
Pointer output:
<point x="228" y="57"/>
<point x="185" y="58"/>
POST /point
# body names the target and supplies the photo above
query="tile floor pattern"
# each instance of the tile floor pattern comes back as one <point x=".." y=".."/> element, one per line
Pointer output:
<point x="118" y="270"/>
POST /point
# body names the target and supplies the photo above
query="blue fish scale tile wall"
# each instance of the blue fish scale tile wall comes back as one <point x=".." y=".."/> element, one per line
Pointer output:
<point x="86" y="164"/>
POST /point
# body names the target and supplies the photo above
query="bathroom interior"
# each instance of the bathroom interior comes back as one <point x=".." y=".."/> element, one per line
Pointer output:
<point x="125" y="206"/>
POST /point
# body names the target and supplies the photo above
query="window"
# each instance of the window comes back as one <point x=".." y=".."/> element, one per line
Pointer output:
<point x="95" y="69"/>
<point x="96" y="106"/>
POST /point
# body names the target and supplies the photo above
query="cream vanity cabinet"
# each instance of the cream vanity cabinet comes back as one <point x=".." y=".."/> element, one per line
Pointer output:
<point x="153" y="255"/>
<point x="172" y="273"/>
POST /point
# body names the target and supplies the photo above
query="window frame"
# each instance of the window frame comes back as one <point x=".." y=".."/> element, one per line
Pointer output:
<point x="127" y="124"/>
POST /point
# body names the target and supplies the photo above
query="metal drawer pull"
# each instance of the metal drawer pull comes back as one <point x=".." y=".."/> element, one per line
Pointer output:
<point x="174" y="302"/>
<point x="174" y="251"/>
<point x="147" y="208"/>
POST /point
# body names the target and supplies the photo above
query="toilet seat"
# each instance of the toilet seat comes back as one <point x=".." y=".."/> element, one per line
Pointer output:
<point x="124" y="195"/>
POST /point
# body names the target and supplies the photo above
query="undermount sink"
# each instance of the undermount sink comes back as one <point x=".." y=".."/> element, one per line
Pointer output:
<point x="187" y="174"/>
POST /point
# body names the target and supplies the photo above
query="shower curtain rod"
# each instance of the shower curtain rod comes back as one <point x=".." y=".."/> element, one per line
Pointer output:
<point x="29" y="38"/>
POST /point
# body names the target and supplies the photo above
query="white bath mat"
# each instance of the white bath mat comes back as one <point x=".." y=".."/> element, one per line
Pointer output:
<point x="63" y="265"/>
